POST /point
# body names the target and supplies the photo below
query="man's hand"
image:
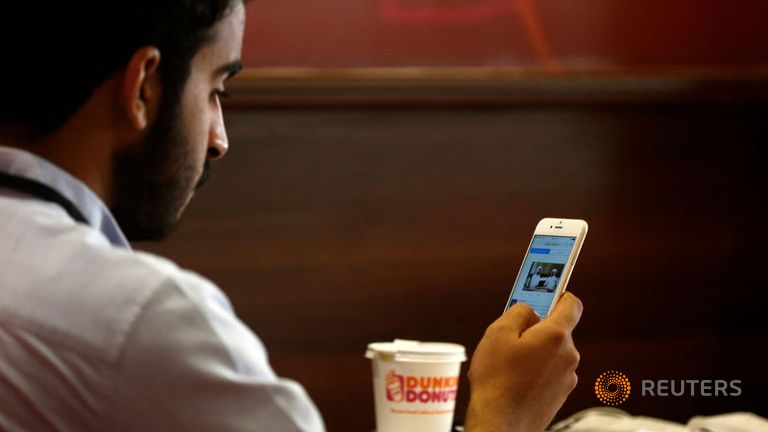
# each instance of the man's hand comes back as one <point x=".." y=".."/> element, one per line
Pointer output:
<point x="523" y="369"/>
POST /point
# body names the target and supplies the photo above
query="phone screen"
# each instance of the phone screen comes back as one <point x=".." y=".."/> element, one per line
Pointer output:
<point x="542" y="272"/>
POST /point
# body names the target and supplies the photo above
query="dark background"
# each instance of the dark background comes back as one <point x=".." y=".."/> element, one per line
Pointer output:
<point x="349" y="212"/>
<point x="552" y="34"/>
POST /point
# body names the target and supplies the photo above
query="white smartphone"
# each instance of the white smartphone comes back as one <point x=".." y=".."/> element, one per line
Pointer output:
<point x="548" y="264"/>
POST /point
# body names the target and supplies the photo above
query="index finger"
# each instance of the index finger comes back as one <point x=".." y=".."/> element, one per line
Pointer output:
<point x="520" y="316"/>
<point x="567" y="311"/>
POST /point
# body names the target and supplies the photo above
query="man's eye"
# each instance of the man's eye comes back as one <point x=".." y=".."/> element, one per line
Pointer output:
<point x="219" y="93"/>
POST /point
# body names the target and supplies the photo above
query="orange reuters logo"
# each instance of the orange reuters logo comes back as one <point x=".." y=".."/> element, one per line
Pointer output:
<point x="612" y="388"/>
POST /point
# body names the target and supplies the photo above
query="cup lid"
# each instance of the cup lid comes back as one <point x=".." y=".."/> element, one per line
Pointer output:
<point x="415" y="351"/>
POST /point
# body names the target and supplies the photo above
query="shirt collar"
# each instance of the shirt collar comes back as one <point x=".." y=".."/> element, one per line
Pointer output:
<point x="25" y="164"/>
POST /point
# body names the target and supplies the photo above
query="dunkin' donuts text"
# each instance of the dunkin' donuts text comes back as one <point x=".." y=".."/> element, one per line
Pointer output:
<point x="421" y="389"/>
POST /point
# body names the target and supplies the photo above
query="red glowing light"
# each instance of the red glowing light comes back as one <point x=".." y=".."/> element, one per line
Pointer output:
<point x="400" y="11"/>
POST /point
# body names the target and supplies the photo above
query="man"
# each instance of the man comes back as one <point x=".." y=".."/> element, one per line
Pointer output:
<point x="536" y="278"/>
<point x="552" y="280"/>
<point x="107" y="128"/>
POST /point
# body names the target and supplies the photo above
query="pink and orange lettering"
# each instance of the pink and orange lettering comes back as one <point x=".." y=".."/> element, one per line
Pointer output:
<point x="424" y="389"/>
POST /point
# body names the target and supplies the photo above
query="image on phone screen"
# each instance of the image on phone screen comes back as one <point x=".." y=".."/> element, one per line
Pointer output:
<point x="541" y="275"/>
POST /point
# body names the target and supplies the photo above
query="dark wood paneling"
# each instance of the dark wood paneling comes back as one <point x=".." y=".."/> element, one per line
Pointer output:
<point x="331" y="227"/>
<point x="271" y="88"/>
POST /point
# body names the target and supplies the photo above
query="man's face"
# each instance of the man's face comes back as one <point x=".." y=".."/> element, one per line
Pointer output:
<point x="156" y="178"/>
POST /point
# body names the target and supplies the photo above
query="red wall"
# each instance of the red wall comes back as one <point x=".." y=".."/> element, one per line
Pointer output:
<point x="529" y="33"/>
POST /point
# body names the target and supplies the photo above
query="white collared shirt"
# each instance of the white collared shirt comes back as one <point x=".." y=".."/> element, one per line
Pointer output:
<point x="97" y="337"/>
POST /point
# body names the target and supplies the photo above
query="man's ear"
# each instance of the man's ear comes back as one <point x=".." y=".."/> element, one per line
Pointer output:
<point x="142" y="87"/>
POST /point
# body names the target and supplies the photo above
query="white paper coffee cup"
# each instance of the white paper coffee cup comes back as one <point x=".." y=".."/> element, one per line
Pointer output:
<point x="415" y="384"/>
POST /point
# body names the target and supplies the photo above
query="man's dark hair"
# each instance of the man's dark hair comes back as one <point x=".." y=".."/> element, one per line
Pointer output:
<point x="55" y="53"/>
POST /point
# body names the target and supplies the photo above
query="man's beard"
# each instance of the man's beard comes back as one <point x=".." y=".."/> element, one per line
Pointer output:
<point x="153" y="179"/>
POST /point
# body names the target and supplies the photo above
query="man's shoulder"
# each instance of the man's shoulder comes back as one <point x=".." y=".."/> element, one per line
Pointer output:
<point x="68" y="285"/>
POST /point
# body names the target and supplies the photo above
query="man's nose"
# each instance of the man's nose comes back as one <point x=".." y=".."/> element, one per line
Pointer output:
<point x="217" y="141"/>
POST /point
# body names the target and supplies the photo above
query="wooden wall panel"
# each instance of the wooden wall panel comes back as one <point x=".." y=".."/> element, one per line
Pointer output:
<point x="331" y="227"/>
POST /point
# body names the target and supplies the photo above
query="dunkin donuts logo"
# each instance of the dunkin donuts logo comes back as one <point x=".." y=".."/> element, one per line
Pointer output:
<point x="421" y="389"/>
